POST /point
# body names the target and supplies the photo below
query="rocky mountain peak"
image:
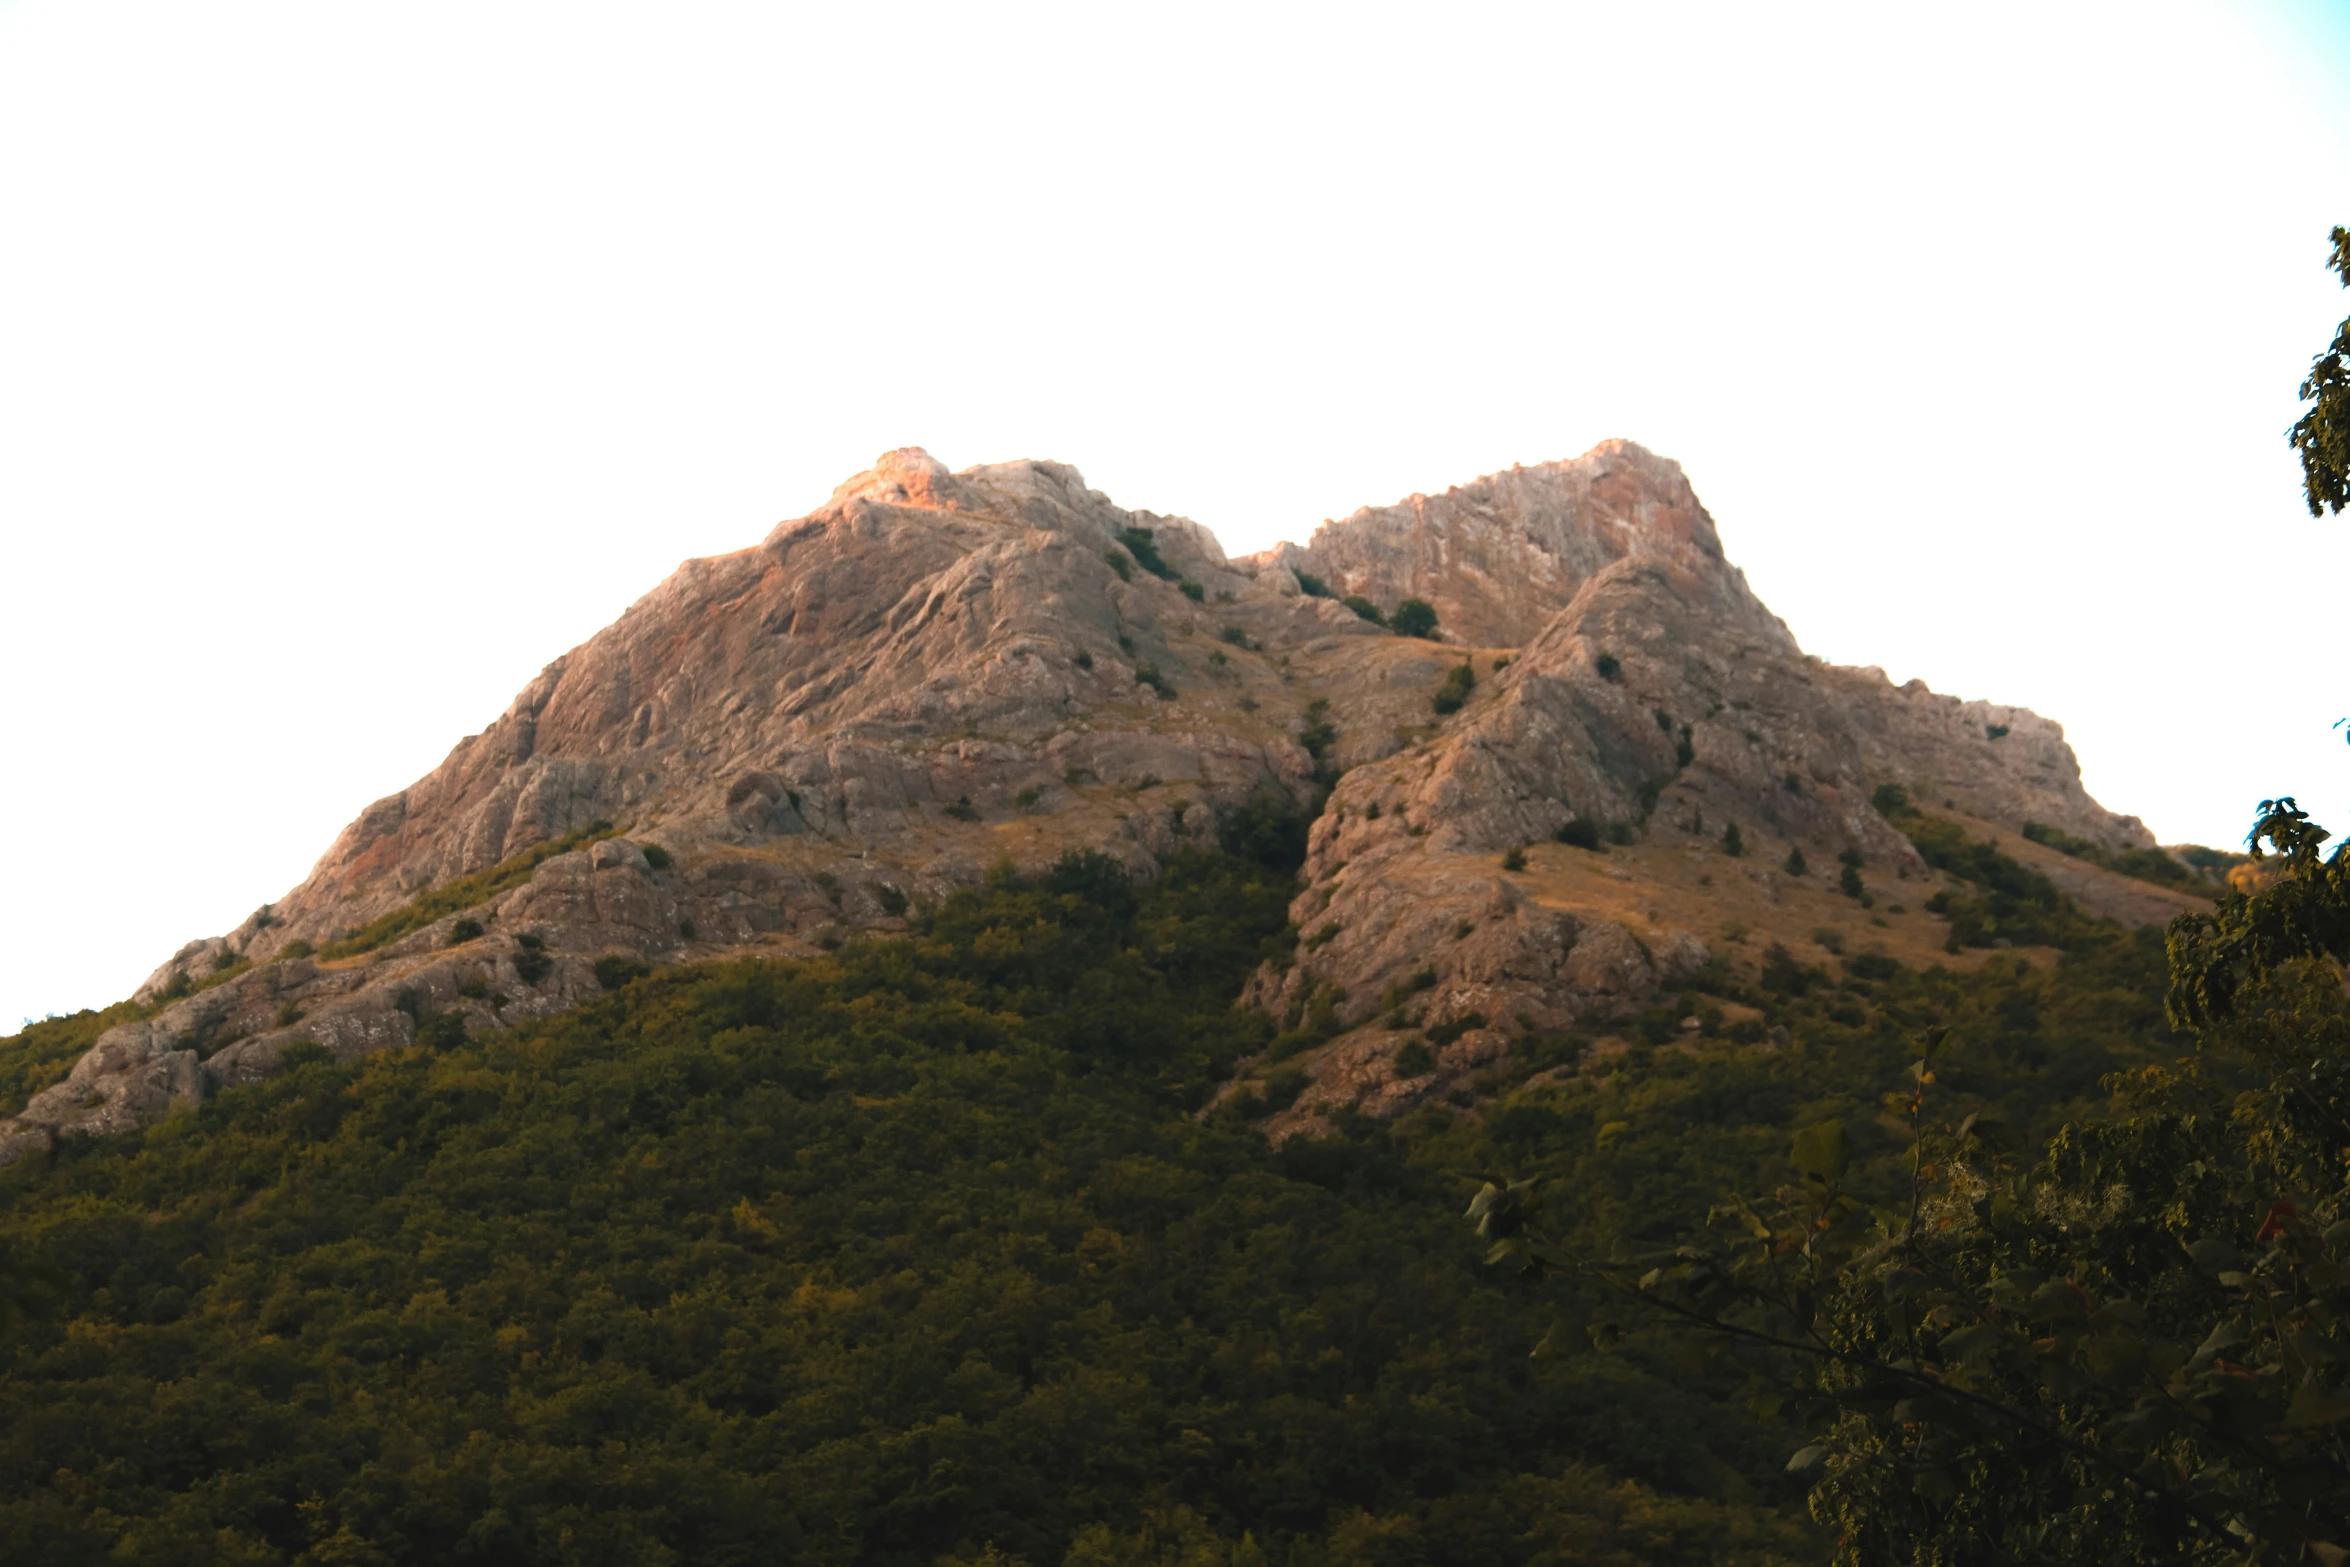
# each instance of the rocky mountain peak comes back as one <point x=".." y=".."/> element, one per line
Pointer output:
<point x="935" y="672"/>
<point x="1502" y="555"/>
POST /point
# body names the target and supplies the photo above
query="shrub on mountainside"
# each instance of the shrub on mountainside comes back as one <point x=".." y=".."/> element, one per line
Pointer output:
<point x="463" y="893"/>
<point x="1413" y="618"/>
<point x="2154" y="865"/>
<point x="1459" y="683"/>
<point x="1142" y="544"/>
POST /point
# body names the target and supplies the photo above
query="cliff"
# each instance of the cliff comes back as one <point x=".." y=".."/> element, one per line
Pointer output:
<point x="936" y="672"/>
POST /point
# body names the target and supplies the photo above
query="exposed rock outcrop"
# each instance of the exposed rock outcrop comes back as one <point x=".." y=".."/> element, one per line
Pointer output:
<point x="935" y="671"/>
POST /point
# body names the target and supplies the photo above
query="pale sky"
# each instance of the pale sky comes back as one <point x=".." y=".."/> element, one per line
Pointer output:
<point x="356" y="360"/>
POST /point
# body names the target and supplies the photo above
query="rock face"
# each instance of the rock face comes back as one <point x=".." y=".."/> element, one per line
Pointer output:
<point x="937" y="671"/>
<point x="1500" y="557"/>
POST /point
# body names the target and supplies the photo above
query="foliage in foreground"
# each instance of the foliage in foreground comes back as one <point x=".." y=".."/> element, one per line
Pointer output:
<point x="2132" y="1346"/>
<point x="2322" y="434"/>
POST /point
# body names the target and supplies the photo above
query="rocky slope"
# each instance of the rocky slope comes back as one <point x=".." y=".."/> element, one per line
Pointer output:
<point x="934" y="672"/>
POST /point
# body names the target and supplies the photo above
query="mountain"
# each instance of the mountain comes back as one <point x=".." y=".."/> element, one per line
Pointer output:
<point x="938" y="673"/>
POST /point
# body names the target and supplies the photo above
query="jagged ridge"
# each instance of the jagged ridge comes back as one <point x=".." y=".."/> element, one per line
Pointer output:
<point x="934" y="671"/>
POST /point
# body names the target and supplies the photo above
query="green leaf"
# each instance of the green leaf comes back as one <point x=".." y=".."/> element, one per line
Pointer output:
<point x="1807" y="1459"/>
<point x="1605" y="1335"/>
<point x="2314" y="1406"/>
<point x="2112" y="1359"/>
<point x="1819" y="1152"/>
<point x="1973" y="1344"/>
<point x="2213" y="1253"/>
<point x="2226" y="1335"/>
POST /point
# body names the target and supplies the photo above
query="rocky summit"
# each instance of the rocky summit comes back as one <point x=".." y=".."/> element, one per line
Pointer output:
<point x="1520" y="819"/>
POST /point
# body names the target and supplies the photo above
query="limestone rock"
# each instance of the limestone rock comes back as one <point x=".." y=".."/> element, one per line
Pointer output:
<point x="936" y="671"/>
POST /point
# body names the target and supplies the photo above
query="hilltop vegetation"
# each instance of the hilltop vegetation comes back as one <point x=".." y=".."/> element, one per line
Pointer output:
<point x="923" y="1251"/>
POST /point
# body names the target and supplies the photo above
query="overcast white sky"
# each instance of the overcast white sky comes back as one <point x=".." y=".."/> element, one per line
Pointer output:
<point x="355" y="360"/>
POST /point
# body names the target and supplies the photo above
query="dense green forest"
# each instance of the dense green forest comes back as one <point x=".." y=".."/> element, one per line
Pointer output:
<point x="927" y="1252"/>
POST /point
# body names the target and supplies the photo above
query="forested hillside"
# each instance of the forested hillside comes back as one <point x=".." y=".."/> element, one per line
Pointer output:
<point x="927" y="1251"/>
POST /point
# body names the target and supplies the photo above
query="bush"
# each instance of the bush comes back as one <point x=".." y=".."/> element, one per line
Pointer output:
<point x="1849" y="883"/>
<point x="1445" y="1033"/>
<point x="1143" y="546"/>
<point x="1283" y="1088"/>
<point x="1120" y="564"/>
<point x="297" y="948"/>
<point x="1609" y="667"/>
<point x="892" y="901"/>
<point x="963" y="810"/>
<point x="1995" y="732"/>
<point x="1580" y="832"/>
<point x="1233" y="636"/>
<point x="1083" y="660"/>
<point x="1364" y="608"/>
<point x="1319" y="734"/>
<point x="1733" y="841"/>
<point x="1404" y="989"/>
<point x="1414" y="618"/>
<point x="463" y="931"/>
<point x="463" y="893"/>
<point x="1193" y="591"/>
<point x="655" y="856"/>
<point x="1415" y="1059"/>
<point x="1453" y="695"/>
<point x="532" y="965"/>
<point x="2152" y="865"/>
<point x="1795" y="861"/>
<point x="1028" y="798"/>
<point x="1891" y="801"/>
<point x="1148" y="675"/>
<point x="1311" y="586"/>
<point x="1515" y="860"/>
<point x="441" y="1031"/>
<point x="617" y="970"/>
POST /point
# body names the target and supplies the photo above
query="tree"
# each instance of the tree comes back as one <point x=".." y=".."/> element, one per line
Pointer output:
<point x="1413" y="618"/>
<point x="2322" y="434"/>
